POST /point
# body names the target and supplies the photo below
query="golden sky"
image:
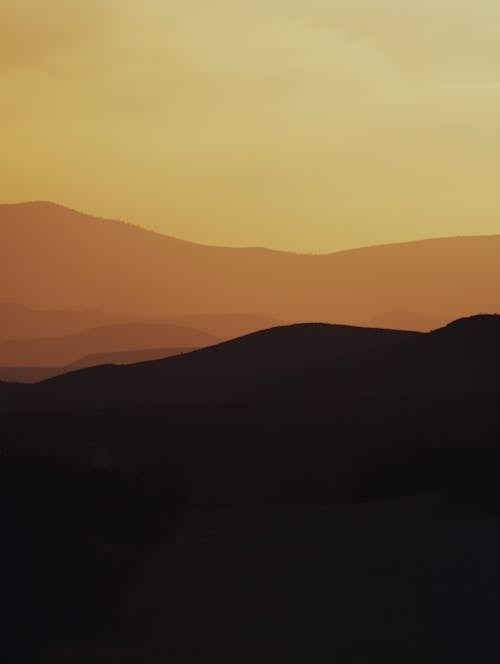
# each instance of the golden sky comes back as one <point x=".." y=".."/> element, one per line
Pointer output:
<point x="309" y="125"/>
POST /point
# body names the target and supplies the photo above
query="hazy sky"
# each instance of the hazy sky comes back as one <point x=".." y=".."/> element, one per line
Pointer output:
<point x="310" y="125"/>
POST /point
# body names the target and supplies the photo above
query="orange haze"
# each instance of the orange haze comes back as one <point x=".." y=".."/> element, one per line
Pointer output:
<point x="51" y="257"/>
<point x="304" y="125"/>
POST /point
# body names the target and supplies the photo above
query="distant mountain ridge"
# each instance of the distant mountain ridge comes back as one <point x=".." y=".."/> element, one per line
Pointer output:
<point x="20" y="322"/>
<point x="65" y="350"/>
<point x="52" y="257"/>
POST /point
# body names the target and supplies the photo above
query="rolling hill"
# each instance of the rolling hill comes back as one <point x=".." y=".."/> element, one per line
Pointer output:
<point x="64" y="350"/>
<point x="214" y="374"/>
<point x="462" y="358"/>
<point x="299" y="363"/>
<point x="26" y="374"/>
<point x="20" y="322"/>
<point x="53" y="257"/>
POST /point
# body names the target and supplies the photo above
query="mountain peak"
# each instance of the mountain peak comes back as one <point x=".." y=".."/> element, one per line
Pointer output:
<point x="33" y="206"/>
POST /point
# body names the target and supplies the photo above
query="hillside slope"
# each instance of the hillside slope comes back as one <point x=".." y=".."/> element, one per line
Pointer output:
<point x="54" y="257"/>
<point x="460" y="358"/>
<point x="20" y="322"/>
<point x="219" y="373"/>
<point x="61" y="351"/>
<point x="298" y="363"/>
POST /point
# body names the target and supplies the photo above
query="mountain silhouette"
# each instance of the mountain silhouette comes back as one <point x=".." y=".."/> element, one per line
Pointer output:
<point x="62" y="351"/>
<point x="26" y="374"/>
<point x="53" y="257"/>
<point x="126" y="357"/>
<point x="298" y="363"/>
<point x="20" y="322"/>
<point x="462" y="358"/>
<point x="218" y="373"/>
<point x="29" y="374"/>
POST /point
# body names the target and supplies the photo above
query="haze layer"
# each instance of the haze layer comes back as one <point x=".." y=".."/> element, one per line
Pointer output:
<point x="310" y="126"/>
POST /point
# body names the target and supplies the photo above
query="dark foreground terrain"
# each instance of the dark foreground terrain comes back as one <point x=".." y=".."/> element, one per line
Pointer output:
<point x="253" y="533"/>
<point x="403" y="581"/>
<point x="309" y="493"/>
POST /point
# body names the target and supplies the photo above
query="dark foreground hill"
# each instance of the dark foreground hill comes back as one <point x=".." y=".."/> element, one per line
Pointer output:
<point x="462" y="358"/>
<point x="218" y="374"/>
<point x="389" y="581"/>
<point x="25" y="374"/>
<point x="296" y="364"/>
<point x="53" y="257"/>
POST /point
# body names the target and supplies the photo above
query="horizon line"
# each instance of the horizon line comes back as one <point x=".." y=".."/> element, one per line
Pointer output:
<point x="147" y="229"/>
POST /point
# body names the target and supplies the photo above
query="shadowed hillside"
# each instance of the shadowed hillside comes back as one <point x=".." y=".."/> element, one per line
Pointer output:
<point x="297" y="363"/>
<point x="217" y="373"/>
<point x="61" y="351"/>
<point x="7" y="389"/>
<point x="461" y="358"/>
<point x="26" y="374"/>
<point x="114" y="587"/>
<point x="70" y="260"/>
<point x="126" y="357"/>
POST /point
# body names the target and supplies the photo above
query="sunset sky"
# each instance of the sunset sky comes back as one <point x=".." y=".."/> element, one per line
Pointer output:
<point x="308" y="125"/>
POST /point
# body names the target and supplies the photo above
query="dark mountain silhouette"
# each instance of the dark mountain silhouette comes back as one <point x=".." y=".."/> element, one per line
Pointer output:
<point x="297" y="363"/>
<point x="460" y="358"/>
<point x="220" y="372"/>
<point x="29" y="374"/>
<point x="126" y="357"/>
<point x="20" y="322"/>
<point x="36" y="374"/>
<point x="57" y="258"/>
<point x="9" y="390"/>
<point x="92" y="499"/>
<point x="61" y="351"/>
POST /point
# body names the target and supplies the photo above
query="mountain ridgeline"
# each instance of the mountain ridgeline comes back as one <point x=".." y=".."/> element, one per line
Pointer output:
<point x="65" y="350"/>
<point x="298" y="363"/>
<point x="75" y="261"/>
<point x="142" y="415"/>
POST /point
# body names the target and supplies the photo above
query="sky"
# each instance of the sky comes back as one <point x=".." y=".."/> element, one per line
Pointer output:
<point x="305" y="125"/>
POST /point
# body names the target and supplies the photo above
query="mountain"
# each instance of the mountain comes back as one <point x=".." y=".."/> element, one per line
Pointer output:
<point x="299" y="363"/>
<point x="215" y="374"/>
<point x="26" y="374"/>
<point x="20" y="322"/>
<point x="462" y="358"/>
<point x="126" y="357"/>
<point x="52" y="257"/>
<point x="61" y="351"/>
